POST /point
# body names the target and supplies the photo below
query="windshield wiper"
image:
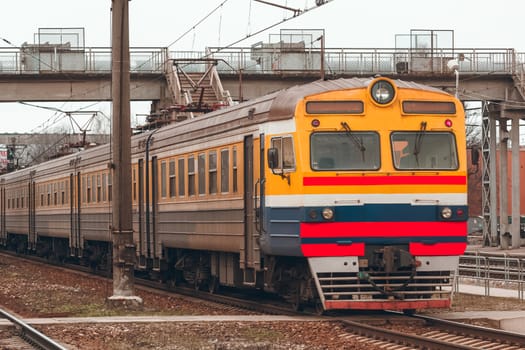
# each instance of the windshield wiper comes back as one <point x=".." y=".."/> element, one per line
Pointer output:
<point x="419" y="141"/>
<point x="357" y="141"/>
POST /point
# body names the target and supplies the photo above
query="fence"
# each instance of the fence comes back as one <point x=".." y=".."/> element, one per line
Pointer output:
<point x="491" y="271"/>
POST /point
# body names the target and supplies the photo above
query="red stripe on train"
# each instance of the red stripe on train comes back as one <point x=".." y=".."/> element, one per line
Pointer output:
<point x="358" y="249"/>
<point x="437" y="249"/>
<point x="383" y="229"/>
<point x="383" y="180"/>
<point x="387" y="304"/>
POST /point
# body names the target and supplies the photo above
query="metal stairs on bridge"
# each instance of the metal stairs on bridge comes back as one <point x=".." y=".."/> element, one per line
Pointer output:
<point x="519" y="79"/>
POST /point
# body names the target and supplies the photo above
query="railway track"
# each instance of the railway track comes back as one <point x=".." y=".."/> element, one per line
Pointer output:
<point x="436" y="334"/>
<point x="432" y="333"/>
<point x="27" y="337"/>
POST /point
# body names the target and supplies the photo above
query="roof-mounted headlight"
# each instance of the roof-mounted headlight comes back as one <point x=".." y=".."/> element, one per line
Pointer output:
<point x="382" y="91"/>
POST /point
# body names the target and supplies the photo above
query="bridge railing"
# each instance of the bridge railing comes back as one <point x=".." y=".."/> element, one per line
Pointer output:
<point x="32" y="60"/>
<point x="259" y="60"/>
<point x="362" y="60"/>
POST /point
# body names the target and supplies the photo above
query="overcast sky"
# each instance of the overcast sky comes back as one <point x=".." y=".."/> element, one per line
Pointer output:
<point x="347" y="24"/>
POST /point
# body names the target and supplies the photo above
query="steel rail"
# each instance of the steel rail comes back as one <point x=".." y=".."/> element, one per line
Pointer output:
<point x="31" y="335"/>
<point x="484" y="333"/>
<point x="402" y="338"/>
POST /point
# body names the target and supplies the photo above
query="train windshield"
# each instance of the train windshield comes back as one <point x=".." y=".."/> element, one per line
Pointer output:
<point x="347" y="150"/>
<point x="421" y="150"/>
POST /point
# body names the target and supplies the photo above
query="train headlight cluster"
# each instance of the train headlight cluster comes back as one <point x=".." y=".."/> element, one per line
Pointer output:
<point x="446" y="213"/>
<point x="328" y="214"/>
<point x="382" y="91"/>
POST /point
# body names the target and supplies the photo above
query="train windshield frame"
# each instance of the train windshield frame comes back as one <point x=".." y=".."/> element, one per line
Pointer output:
<point x="424" y="150"/>
<point x="345" y="150"/>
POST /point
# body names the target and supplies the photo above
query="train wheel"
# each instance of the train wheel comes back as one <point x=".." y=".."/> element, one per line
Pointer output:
<point x="295" y="298"/>
<point x="213" y="284"/>
<point x="319" y="309"/>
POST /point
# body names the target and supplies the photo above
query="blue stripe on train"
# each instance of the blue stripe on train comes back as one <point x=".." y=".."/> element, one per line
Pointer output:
<point x="384" y="240"/>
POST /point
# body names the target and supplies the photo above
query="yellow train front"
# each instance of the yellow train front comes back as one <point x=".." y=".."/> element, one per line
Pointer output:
<point x="368" y="182"/>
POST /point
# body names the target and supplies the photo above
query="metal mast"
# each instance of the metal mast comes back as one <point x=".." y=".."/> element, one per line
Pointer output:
<point x="122" y="226"/>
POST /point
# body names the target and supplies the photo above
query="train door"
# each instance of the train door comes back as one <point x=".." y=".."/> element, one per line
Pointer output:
<point x="154" y="208"/>
<point x="140" y="205"/>
<point x="3" y="232"/>
<point x="31" y="215"/>
<point x="150" y="214"/>
<point x="74" y="213"/>
<point x="250" y="252"/>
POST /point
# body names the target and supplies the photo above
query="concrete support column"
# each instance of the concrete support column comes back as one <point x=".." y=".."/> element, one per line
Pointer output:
<point x="516" y="190"/>
<point x="503" y="187"/>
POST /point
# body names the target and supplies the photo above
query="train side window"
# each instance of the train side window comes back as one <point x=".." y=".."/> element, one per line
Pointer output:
<point x="191" y="176"/>
<point x="88" y="193"/>
<point x="282" y="158"/>
<point x="110" y="187"/>
<point x="202" y="173"/>
<point x="134" y="179"/>
<point x="182" y="185"/>
<point x="163" y="179"/>
<point x="172" y="181"/>
<point x="48" y="194"/>
<point x="83" y="194"/>
<point x="93" y="190"/>
<point x="234" y="170"/>
<point x="99" y="189"/>
<point x="225" y="171"/>
<point x="67" y="191"/>
<point x="104" y="196"/>
<point x="212" y="172"/>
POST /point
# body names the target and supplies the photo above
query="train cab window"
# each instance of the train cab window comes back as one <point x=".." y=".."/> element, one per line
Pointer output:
<point x="172" y="180"/>
<point x="422" y="150"/>
<point x="191" y="176"/>
<point x="182" y="185"/>
<point x="212" y="172"/>
<point x="348" y="150"/>
<point x="282" y="149"/>
<point x="202" y="173"/>
<point x="225" y="171"/>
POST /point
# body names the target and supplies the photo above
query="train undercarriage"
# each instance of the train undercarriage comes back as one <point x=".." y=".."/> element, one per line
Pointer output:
<point x="386" y="277"/>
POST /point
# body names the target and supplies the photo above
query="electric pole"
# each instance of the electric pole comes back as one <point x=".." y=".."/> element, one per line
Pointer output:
<point x="122" y="225"/>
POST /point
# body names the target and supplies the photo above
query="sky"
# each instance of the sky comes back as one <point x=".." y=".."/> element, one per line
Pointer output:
<point x="163" y="23"/>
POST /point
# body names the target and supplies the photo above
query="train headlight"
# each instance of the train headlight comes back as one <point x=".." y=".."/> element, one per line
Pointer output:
<point x="446" y="213"/>
<point x="382" y="91"/>
<point x="328" y="214"/>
